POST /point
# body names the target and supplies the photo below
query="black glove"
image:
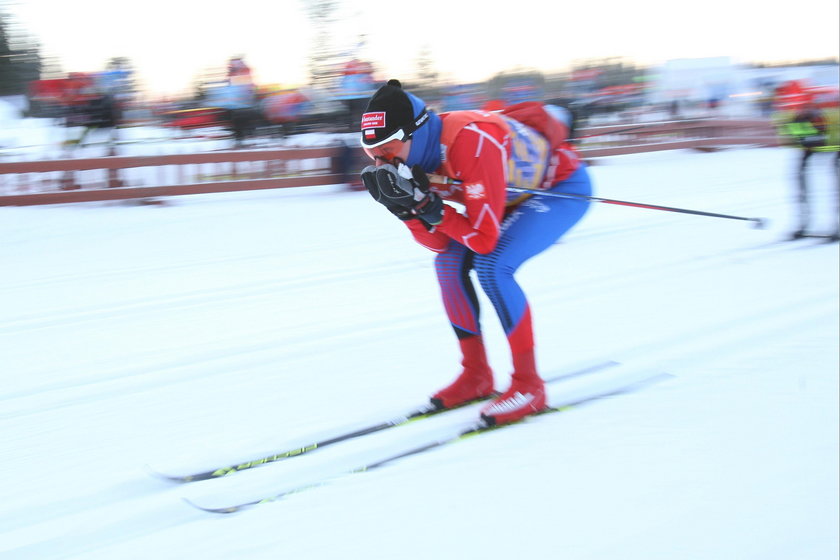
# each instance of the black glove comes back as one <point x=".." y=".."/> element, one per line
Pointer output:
<point x="409" y="188"/>
<point x="396" y="185"/>
<point x="430" y="207"/>
<point x="369" y="179"/>
<point x="405" y="192"/>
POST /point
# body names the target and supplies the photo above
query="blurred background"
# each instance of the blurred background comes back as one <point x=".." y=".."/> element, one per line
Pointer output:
<point x="295" y="66"/>
<point x="249" y="317"/>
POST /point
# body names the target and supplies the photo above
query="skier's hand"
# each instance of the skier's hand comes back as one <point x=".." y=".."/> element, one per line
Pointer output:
<point x="409" y="188"/>
<point x="397" y="186"/>
<point x="369" y="178"/>
<point x="430" y="207"/>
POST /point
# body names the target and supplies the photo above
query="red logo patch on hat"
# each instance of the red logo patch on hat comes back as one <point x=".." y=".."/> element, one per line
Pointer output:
<point x="373" y="120"/>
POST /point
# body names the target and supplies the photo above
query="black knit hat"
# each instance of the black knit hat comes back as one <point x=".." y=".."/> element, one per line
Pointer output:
<point x="390" y="116"/>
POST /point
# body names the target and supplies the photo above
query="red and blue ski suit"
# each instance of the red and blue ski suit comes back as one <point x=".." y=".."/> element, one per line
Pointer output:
<point x="497" y="232"/>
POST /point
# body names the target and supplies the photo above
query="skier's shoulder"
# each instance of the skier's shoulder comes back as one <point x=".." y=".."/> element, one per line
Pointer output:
<point x="475" y="120"/>
<point x="467" y="132"/>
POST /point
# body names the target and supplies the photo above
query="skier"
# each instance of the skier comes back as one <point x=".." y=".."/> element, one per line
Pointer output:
<point x="814" y="129"/>
<point x="473" y="156"/>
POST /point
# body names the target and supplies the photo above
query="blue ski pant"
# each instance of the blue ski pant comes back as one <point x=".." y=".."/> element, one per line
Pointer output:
<point x="531" y="228"/>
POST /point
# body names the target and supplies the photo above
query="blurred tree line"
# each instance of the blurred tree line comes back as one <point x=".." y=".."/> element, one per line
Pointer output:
<point x="20" y="58"/>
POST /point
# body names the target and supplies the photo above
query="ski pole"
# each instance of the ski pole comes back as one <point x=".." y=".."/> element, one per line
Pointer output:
<point x="758" y="223"/>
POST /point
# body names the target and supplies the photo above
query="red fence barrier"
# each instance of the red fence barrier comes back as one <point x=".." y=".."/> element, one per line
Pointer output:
<point x="130" y="177"/>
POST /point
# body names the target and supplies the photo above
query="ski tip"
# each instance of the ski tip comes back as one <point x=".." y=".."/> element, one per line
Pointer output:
<point x="228" y="509"/>
<point x="157" y="474"/>
<point x="173" y="478"/>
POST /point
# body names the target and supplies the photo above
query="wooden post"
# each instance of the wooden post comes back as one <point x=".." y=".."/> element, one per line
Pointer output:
<point x="113" y="173"/>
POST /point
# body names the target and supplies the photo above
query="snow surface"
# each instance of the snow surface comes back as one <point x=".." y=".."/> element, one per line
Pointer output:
<point x="212" y="329"/>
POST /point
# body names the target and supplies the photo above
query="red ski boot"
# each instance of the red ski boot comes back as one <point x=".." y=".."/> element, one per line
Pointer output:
<point x="525" y="396"/>
<point x="475" y="381"/>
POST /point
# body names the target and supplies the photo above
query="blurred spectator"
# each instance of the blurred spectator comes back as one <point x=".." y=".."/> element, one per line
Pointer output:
<point x="355" y="87"/>
<point x="286" y="109"/>
<point x="463" y="97"/>
<point x="674" y="109"/>
<point x="814" y="127"/>
<point x="348" y="161"/>
<point x="238" y="71"/>
<point x="238" y="98"/>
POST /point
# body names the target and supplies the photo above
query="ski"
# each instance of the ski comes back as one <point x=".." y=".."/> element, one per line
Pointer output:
<point x="625" y="384"/>
<point x="782" y="244"/>
<point x="821" y="238"/>
<point x="426" y="411"/>
<point x="807" y="240"/>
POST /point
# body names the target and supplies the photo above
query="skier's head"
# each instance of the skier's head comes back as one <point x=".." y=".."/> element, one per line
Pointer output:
<point x="393" y="118"/>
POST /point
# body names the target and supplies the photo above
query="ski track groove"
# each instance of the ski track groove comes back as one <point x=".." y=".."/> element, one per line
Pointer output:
<point x="199" y="298"/>
<point x="204" y="362"/>
<point x="74" y="525"/>
<point x="762" y="327"/>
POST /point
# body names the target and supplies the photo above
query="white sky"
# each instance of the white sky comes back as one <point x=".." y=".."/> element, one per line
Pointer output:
<point x="172" y="41"/>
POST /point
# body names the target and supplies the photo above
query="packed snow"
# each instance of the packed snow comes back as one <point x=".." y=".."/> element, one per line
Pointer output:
<point x="211" y="329"/>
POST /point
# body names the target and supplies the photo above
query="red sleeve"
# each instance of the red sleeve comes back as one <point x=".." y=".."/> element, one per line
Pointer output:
<point x="479" y="158"/>
<point x="434" y="240"/>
